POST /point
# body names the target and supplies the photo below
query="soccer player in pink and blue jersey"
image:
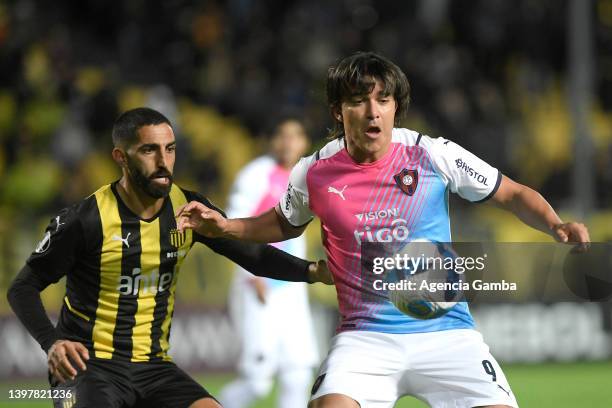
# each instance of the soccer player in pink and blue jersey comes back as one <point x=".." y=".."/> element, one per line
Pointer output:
<point x="271" y="316"/>
<point x="378" y="353"/>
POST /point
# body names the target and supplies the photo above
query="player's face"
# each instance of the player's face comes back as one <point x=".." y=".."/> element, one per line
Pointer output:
<point x="289" y="143"/>
<point x="150" y="161"/>
<point x="368" y="123"/>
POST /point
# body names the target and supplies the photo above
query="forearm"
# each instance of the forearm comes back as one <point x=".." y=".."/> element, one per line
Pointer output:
<point x="268" y="227"/>
<point x="533" y="209"/>
<point x="262" y="260"/>
<point x="24" y="298"/>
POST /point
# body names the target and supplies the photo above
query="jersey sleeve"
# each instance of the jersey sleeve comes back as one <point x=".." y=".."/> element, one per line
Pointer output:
<point x="55" y="254"/>
<point x="53" y="257"/>
<point x="466" y="174"/>
<point x="294" y="203"/>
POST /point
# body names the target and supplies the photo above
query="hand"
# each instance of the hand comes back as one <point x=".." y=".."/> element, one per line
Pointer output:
<point x="198" y="217"/>
<point x="572" y="233"/>
<point x="60" y="357"/>
<point x="261" y="289"/>
<point x="319" y="272"/>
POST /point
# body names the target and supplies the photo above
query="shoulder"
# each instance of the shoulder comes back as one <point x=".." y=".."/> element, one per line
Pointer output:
<point x="66" y="227"/>
<point x="329" y="150"/>
<point x="195" y="196"/>
<point x="254" y="167"/>
<point x="321" y="156"/>
<point x="82" y="212"/>
<point x="319" y="160"/>
<point x="406" y="137"/>
<point x="436" y="144"/>
<point x="435" y="147"/>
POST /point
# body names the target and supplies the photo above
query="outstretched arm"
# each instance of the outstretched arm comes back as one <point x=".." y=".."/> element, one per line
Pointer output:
<point x="531" y="208"/>
<point x="271" y="226"/>
<point x="267" y="261"/>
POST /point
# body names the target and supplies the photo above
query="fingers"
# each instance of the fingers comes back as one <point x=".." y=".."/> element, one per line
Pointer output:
<point x="582" y="233"/>
<point x="67" y="370"/>
<point x="180" y="210"/>
<point x="60" y="366"/>
<point x="56" y="374"/>
<point x="191" y="214"/>
<point x="579" y="234"/>
<point x="574" y="233"/>
<point x="189" y="207"/>
<point x="60" y="357"/>
<point x="561" y="235"/>
<point x="192" y="206"/>
<point x="75" y="352"/>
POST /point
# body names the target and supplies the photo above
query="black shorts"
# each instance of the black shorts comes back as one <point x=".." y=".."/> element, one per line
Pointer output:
<point x="116" y="384"/>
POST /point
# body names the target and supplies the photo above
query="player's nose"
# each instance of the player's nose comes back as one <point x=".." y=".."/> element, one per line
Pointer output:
<point x="372" y="111"/>
<point x="162" y="160"/>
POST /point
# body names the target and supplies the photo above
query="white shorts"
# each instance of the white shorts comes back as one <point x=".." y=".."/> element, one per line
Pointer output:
<point x="277" y="335"/>
<point x="451" y="368"/>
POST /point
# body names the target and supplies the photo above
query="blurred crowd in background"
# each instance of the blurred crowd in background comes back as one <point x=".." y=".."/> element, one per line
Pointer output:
<point x="488" y="74"/>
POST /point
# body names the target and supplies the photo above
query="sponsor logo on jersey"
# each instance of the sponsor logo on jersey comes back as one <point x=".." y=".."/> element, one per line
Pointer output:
<point x="177" y="238"/>
<point x="396" y="232"/>
<point x="463" y="166"/>
<point x="407" y="180"/>
<point x="340" y="193"/>
<point x="379" y="214"/>
<point x="151" y="283"/>
<point x="175" y="254"/>
<point x="288" y="197"/>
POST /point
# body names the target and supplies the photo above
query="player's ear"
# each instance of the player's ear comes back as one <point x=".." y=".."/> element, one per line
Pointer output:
<point x="119" y="157"/>
<point x="337" y="113"/>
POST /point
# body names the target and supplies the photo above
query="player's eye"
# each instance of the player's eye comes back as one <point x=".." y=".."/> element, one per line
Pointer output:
<point x="171" y="148"/>
<point x="384" y="98"/>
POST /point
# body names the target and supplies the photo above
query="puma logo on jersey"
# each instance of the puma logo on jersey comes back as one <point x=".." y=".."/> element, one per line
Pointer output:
<point x="124" y="240"/>
<point x="331" y="189"/>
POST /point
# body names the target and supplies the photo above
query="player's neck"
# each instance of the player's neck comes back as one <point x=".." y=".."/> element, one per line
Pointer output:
<point x="285" y="165"/>
<point x="366" y="157"/>
<point x="139" y="202"/>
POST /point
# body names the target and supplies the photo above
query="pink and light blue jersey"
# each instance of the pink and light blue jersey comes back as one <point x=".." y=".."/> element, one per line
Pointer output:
<point x="257" y="188"/>
<point x="399" y="198"/>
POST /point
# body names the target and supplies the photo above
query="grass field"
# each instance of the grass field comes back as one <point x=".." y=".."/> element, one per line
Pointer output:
<point x="542" y="386"/>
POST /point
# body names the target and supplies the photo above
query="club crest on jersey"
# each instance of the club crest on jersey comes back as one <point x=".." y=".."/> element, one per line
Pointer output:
<point x="177" y="238"/>
<point x="407" y="180"/>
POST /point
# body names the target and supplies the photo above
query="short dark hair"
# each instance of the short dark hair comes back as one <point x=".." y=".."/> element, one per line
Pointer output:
<point x="273" y="125"/>
<point x="125" y="129"/>
<point x="354" y="76"/>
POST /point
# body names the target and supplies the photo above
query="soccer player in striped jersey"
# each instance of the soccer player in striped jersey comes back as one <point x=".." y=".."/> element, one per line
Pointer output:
<point x="121" y="253"/>
<point x="378" y="183"/>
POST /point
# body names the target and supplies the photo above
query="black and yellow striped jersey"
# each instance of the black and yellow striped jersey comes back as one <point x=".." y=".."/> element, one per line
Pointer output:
<point x="121" y="271"/>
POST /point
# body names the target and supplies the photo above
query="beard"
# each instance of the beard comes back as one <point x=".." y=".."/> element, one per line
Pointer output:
<point x="146" y="183"/>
